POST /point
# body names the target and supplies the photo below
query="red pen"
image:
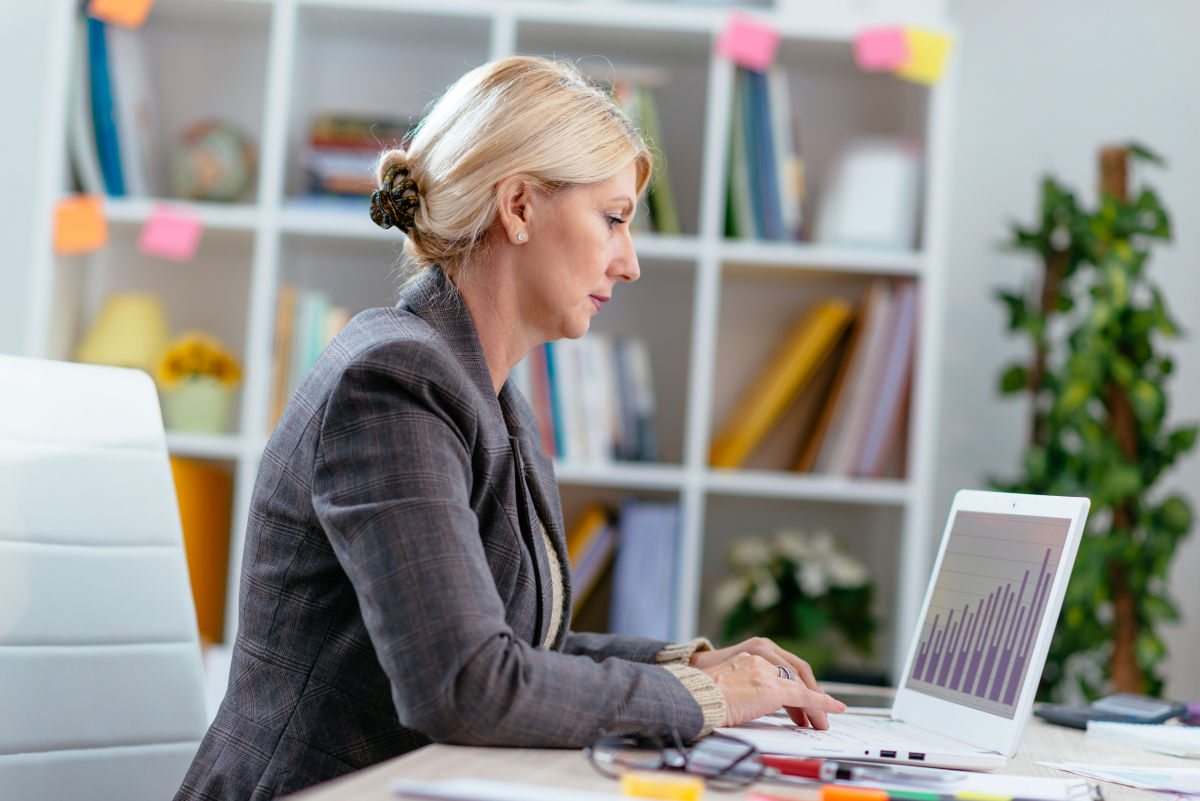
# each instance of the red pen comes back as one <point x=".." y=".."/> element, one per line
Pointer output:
<point x="828" y="771"/>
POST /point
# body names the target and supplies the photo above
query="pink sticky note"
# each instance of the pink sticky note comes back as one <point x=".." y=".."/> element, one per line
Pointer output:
<point x="171" y="233"/>
<point x="878" y="49"/>
<point x="749" y="42"/>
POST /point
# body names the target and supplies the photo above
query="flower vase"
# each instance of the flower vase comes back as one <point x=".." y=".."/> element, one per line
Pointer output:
<point x="198" y="404"/>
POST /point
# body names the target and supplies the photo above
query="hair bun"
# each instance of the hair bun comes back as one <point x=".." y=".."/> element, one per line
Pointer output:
<point x="396" y="201"/>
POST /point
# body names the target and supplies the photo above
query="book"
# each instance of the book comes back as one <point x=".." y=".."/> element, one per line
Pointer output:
<point x="590" y="546"/>
<point x="82" y="133"/>
<point x="835" y="454"/>
<point x="644" y="569"/>
<point x="204" y="493"/>
<point x="836" y="397"/>
<point x="762" y="146"/>
<point x="103" y="112"/>
<point x="741" y="218"/>
<point x="660" y="198"/>
<point x="777" y="383"/>
<point x="134" y="111"/>
<point x="285" y="309"/>
<point x="637" y="438"/>
<point x="885" y="418"/>
<point x="789" y="170"/>
<point x="540" y="398"/>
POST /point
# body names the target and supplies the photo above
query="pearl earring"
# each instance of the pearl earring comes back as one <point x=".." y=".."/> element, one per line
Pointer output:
<point x="521" y="236"/>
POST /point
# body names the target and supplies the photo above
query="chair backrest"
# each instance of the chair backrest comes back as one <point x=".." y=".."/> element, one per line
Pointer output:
<point x="101" y="678"/>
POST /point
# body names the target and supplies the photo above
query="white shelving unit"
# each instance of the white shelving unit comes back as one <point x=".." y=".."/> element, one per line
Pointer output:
<point x="709" y="308"/>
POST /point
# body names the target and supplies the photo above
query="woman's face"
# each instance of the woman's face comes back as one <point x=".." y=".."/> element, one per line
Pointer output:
<point x="578" y="248"/>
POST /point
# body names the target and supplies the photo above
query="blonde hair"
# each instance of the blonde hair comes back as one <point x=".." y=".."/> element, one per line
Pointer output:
<point x="524" y="116"/>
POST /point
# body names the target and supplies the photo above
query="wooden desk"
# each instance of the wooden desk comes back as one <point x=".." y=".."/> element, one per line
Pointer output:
<point x="570" y="769"/>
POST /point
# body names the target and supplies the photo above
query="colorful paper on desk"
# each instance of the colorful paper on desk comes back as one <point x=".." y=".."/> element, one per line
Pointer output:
<point x="749" y="42"/>
<point x="80" y="225"/>
<point x="128" y="13"/>
<point x="494" y="790"/>
<point x="877" y="49"/>
<point x="170" y="233"/>
<point x="1180" y="780"/>
<point x="927" y="52"/>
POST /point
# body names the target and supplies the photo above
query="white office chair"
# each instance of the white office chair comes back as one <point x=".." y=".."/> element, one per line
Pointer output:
<point x="101" y="680"/>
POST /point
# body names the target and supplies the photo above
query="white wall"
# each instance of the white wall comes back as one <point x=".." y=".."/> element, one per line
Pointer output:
<point x="24" y="34"/>
<point x="1043" y="83"/>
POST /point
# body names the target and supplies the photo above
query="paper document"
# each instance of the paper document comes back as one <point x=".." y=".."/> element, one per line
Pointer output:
<point x="494" y="790"/>
<point x="1164" y="738"/>
<point x="1180" y="780"/>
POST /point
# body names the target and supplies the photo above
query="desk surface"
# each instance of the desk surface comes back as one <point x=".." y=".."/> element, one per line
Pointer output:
<point x="569" y="768"/>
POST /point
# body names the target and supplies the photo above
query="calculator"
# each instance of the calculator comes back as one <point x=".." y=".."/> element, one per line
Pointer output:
<point x="1120" y="708"/>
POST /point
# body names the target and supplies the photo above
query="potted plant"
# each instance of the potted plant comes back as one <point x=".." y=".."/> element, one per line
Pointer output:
<point x="1095" y="381"/>
<point x="196" y="376"/>
<point x="801" y="590"/>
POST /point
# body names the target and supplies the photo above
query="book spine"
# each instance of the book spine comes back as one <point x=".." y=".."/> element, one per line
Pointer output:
<point x="789" y="368"/>
<point x="102" y="110"/>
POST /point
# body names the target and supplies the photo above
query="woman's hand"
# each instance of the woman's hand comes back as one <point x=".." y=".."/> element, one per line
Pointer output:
<point x="747" y="674"/>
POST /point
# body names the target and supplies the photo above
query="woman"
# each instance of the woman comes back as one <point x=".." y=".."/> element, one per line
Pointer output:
<point x="405" y="574"/>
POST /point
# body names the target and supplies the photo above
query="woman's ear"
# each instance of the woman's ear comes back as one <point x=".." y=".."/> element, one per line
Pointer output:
<point x="513" y="195"/>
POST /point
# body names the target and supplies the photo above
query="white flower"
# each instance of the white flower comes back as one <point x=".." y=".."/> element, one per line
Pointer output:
<point x="823" y="543"/>
<point x="750" y="552"/>
<point x="729" y="594"/>
<point x="766" y="593"/>
<point x="846" y="571"/>
<point x="792" y="545"/>
<point x="811" y="578"/>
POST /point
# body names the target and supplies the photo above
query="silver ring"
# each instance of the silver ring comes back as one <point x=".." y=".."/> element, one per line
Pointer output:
<point x="785" y="672"/>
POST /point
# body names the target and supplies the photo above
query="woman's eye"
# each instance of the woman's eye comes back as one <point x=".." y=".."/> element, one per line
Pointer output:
<point x="614" y="220"/>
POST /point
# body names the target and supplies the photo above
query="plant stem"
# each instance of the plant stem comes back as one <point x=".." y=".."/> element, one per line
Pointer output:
<point x="1125" y="672"/>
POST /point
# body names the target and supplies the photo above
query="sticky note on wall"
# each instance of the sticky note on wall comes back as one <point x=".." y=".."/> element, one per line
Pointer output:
<point x="128" y="13"/>
<point x="170" y="233"/>
<point x="80" y="225"/>
<point x="927" y="52"/>
<point x="749" y="42"/>
<point x="877" y="49"/>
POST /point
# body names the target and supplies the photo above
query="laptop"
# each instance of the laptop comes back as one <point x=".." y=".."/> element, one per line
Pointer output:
<point x="976" y="655"/>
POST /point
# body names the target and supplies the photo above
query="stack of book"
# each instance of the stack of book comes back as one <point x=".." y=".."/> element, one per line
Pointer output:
<point x="631" y="557"/>
<point x="766" y="175"/>
<point x="113" y="120"/>
<point x="305" y="322"/>
<point x="593" y="398"/>
<point x="635" y="95"/>
<point x="343" y="149"/>
<point x="857" y="427"/>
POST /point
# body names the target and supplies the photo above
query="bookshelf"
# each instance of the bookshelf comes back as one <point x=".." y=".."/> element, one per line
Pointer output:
<point x="706" y="306"/>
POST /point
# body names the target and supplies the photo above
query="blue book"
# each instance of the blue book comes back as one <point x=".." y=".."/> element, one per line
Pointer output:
<point x="103" y="110"/>
<point x="644" y="570"/>
<point x="750" y="141"/>
<point x="770" y="207"/>
<point x="556" y="404"/>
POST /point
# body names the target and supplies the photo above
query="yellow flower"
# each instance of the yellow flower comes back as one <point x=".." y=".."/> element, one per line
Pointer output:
<point x="194" y="354"/>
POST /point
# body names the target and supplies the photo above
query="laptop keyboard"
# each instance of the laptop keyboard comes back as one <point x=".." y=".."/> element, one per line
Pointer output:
<point x="858" y="730"/>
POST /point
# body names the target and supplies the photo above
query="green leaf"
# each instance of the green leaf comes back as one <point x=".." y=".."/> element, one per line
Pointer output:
<point x="1122" y="481"/>
<point x="1148" y="401"/>
<point x="1015" y="379"/>
<point x="1174" y="514"/>
<point x="1156" y="608"/>
<point x="1017" y="309"/>
<point x="1122" y="370"/>
<point x="1143" y="153"/>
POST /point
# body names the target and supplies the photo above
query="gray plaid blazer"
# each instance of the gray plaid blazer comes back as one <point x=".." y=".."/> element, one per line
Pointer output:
<point x="395" y="590"/>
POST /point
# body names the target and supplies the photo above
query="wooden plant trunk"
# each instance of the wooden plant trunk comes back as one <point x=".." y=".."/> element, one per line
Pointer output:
<point x="1124" y="671"/>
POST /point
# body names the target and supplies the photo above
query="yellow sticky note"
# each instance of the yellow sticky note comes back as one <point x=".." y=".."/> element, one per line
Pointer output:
<point x="927" y="52"/>
<point x="80" y="225"/>
<point x="128" y="13"/>
<point x="662" y="786"/>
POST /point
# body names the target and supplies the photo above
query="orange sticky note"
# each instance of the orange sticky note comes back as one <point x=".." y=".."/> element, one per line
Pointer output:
<point x="170" y="233"/>
<point x="80" y="225"/>
<point x="877" y="49"/>
<point x="749" y="42"/>
<point x="927" y="52"/>
<point x="128" y="13"/>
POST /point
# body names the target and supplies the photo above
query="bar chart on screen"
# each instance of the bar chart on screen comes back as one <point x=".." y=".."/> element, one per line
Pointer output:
<point x="988" y="603"/>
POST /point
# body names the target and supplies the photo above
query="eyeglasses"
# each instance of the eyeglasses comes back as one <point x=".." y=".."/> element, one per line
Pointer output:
<point x="725" y="762"/>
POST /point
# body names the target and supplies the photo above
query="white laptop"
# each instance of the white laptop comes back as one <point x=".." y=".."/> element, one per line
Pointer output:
<point x="976" y="656"/>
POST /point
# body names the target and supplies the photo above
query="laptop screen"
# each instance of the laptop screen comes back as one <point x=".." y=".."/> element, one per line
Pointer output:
<point x="987" y="606"/>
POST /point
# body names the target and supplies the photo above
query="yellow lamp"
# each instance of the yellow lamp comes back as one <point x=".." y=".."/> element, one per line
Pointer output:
<point x="129" y="331"/>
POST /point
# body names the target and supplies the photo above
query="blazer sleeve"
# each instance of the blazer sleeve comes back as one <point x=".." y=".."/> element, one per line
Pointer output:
<point x="392" y="489"/>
